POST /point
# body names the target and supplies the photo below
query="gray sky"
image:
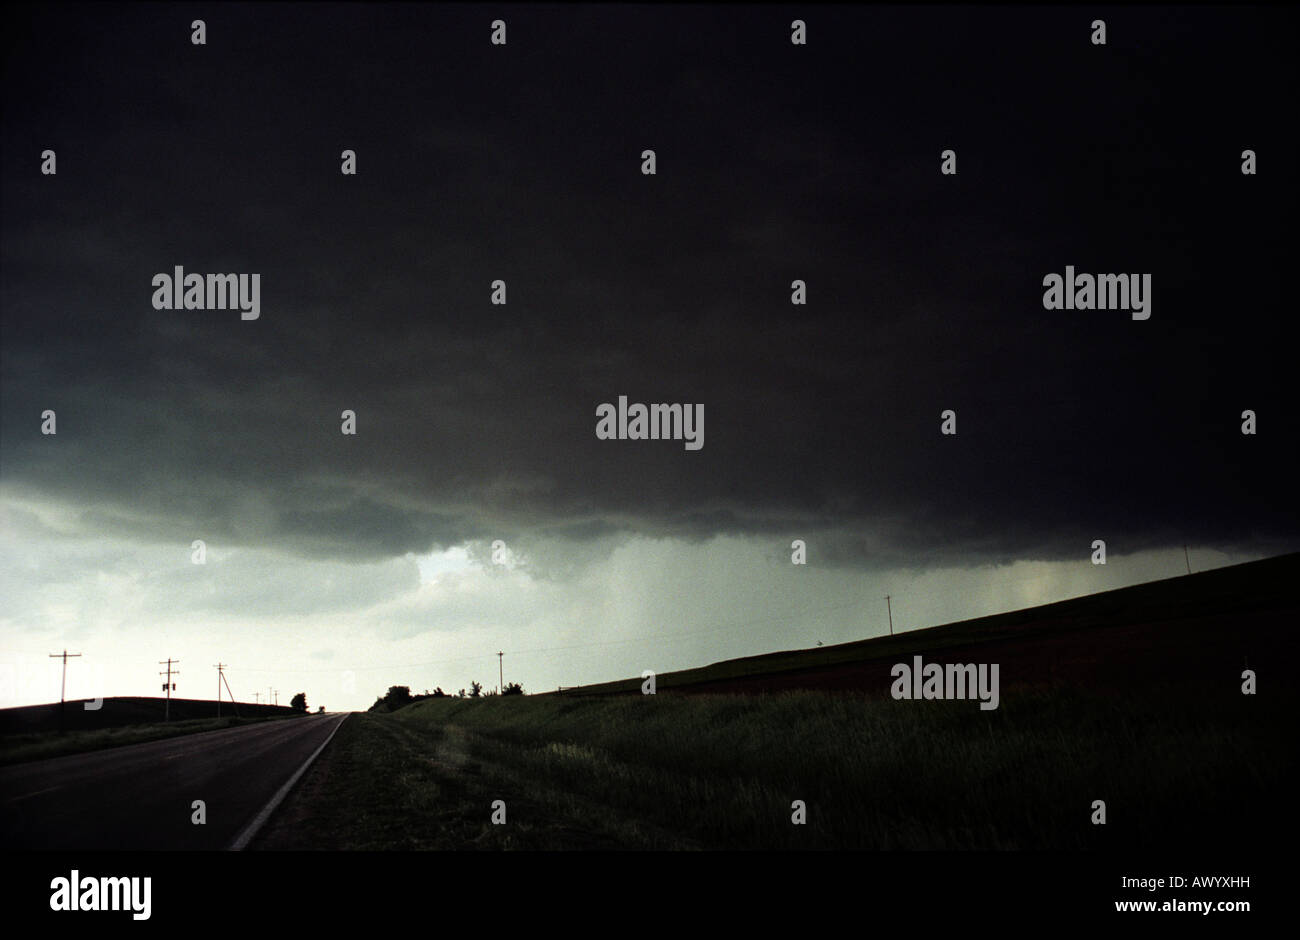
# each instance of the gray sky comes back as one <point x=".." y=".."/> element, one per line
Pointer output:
<point x="338" y="565"/>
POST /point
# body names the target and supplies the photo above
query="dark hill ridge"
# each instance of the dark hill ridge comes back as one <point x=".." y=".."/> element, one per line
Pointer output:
<point x="122" y="711"/>
<point x="1201" y="627"/>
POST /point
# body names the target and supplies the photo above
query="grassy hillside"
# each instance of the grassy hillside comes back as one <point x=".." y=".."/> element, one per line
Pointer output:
<point x="721" y="771"/>
<point x="1222" y="611"/>
<point x="38" y="745"/>
<point x="1132" y="697"/>
<point x="122" y="711"/>
<point x="33" y="732"/>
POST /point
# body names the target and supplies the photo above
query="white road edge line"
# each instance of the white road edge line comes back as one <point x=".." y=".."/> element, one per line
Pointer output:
<point x="246" y="836"/>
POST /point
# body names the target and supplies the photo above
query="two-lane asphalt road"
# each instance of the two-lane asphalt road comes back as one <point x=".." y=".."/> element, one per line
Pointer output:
<point x="142" y="796"/>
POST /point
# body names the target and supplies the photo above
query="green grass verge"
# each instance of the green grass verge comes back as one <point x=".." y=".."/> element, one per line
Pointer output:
<point x="387" y="785"/>
<point x="1176" y="770"/>
<point x="38" y="745"/>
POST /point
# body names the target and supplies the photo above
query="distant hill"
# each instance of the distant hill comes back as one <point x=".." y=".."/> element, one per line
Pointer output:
<point x="126" y="710"/>
<point x="1201" y="627"/>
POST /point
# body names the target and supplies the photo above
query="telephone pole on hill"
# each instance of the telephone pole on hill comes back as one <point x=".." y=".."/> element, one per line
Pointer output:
<point x="257" y="698"/>
<point x="890" y="607"/>
<point x="501" y="682"/>
<point x="220" y="678"/>
<point x="167" y="686"/>
<point x="65" y="656"/>
<point x="63" y="689"/>
<point x="229" y="691"/>
<point x="277" y="698"/>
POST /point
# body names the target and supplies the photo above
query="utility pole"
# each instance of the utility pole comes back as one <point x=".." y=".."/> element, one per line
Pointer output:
<point x="220" y="679"/>
<point x="257" y="698"/>
<point x="63" y="689"/>
<point x="1186" y="559"/>
<point x="233" y="703"/>
<point x="277" y="698"/>
<point x="167" y="686"/>
<point x="65" y="656"/>
<point x="890" y="607"/>
<point x="501" y="682"/>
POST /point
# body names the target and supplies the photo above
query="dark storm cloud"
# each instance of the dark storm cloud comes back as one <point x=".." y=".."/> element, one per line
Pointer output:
<point x="775" y="162"/>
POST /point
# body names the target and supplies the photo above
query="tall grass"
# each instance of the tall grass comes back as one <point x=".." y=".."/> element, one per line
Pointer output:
<point x="38" y="745"/>
<point x="722" y="771"/>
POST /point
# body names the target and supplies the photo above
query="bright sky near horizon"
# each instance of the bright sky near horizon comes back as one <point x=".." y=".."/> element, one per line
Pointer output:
<point x="343" y="633"/>
<point x="462" y="261"/>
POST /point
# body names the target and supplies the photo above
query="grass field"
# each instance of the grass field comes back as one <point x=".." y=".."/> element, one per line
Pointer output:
<point x="38" y="745"/>
<point x="120" y="711"/>
<point x="682" y="772"/>
<point x="1132" y="697"/>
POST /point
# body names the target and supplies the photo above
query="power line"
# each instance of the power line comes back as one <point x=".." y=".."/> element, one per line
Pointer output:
<point x="739" y="626"/>
<point x="744" y="625"/>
